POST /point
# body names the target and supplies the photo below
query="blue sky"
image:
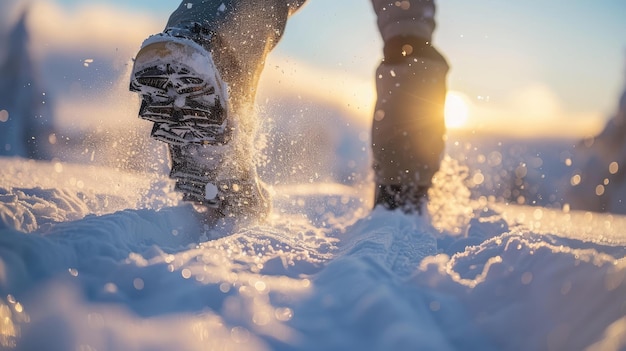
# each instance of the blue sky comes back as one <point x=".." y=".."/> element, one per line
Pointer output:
<point x="510" y="59"/>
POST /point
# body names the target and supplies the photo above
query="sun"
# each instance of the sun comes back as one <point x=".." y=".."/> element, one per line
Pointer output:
<point x="456" y="110"/>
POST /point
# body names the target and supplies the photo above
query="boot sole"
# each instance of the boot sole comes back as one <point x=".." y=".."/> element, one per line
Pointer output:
<point x="185" y="105"/>
<point x="190" y="107"/>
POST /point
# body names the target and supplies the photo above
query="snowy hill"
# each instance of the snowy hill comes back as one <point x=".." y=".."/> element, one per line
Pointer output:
<point x="94" y="258"/>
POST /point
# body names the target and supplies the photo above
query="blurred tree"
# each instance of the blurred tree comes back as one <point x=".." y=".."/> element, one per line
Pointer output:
<point x="26" y="117"/>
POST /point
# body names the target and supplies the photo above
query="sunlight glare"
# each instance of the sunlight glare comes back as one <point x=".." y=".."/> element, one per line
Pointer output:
<point x="456" y="110"/>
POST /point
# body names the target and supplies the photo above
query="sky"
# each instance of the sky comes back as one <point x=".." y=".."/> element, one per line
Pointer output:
<point x="529" y="67"/>
<point x="513" y="60"/>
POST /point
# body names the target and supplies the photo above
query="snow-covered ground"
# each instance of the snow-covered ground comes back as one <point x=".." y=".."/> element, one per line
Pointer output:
<point x="96" y="258"/>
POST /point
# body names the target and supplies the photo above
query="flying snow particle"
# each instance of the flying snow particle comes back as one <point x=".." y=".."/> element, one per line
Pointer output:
<point x="189" y="6"/>
<point x="180" y="101"/>
<point x="86" y="62"/>
<point x="110" y="288"/>
<point x="600" y="190"/>
<point x="527" y="278"/>
<point x="405" y="5"/>
<point x="138" y="283"/>
<point x="283" y="314"/>
<point x="379" y="115"/>
<point x="407" y="50"/>
<point x="240" y="335"/>
<point x="210" y="191"/>
<point x="222" y="8"/>
<point x="478" y="178"/>
<point x="4" y="115"/>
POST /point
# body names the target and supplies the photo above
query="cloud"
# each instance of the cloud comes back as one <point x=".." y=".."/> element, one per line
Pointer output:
<point x="352" y="95"/>
<point x="533" y="110"/>
<point x="98" y="28"/>
<point x="112" y="108"/>
<point x="107" y="33"/>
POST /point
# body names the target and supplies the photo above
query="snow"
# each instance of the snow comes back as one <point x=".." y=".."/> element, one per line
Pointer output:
<point x="95" y="258"/>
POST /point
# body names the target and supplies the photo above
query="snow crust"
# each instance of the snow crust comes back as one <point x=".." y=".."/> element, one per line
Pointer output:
<point x="92" y="258"/>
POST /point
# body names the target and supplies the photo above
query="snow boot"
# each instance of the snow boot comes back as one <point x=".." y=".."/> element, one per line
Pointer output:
<point x="408" y="128"/>
<point x="185" y="97"/>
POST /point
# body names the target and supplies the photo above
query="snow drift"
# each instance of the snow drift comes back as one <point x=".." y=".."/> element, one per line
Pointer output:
<point x="93" y="258"/>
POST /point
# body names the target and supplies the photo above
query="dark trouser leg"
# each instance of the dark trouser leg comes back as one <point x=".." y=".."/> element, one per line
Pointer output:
<point x="238" y="33"/>
<point x="408" y="126"/>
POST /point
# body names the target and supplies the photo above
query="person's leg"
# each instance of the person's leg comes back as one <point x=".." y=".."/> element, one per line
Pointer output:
<point x="408" y="128"/>
<point x="198" y="80"/>
<point x="238" y="33"/>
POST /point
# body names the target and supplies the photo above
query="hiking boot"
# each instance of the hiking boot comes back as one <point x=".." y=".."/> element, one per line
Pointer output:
<point x="185" y="97"/>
